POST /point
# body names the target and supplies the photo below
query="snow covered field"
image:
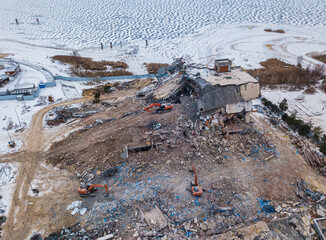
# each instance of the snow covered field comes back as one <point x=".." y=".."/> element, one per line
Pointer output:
<point x="86" y="23"/>
<point x="8" y="172"/>
<point x="310" y="108"/>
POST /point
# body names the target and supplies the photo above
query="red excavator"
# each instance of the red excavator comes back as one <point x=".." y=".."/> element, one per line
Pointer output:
<point x="160" y="107"/>
<point x="85" y="190"/>
<point x="196" y="190"/>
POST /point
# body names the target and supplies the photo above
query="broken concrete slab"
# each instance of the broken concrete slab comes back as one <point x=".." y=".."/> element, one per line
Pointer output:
<point x="318" y="222"/>
<point x="155" y="218"/>
<point x="320" y="211"/>
<point x="106" y="237"/>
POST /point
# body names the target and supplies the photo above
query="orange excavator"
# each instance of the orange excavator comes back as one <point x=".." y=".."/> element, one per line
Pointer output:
<point x="160" y="107"/>
<point x="196" y="190"/>
<point x="85" y="190"/>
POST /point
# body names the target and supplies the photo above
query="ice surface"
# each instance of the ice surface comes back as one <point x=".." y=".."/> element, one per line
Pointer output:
<point x="86" y="23"/>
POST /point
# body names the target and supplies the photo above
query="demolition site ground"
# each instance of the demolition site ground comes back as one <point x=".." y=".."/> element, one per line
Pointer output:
<point x="247" y="177"/>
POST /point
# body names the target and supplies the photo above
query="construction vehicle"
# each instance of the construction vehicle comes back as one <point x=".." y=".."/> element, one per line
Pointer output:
<point x="11" y="144"/>
<point x="87" y="190"/>
<point x="196" y="190"/>
<point x="160" y="107"/>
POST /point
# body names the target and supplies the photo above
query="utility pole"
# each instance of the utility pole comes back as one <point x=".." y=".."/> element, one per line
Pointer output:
<point x="34" y="190"/>
<point x="30" y="184"/>
<point x="18" y="117"/>
<point x="9" y="135"/>
<point x="24" y="102"/>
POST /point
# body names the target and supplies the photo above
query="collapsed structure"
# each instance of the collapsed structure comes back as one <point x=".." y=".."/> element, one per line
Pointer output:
<point x="225" y="89"/>
<point x="229" y="92"/>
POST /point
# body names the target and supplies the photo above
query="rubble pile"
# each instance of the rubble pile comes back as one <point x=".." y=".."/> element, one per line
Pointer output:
<point x="146" y="158"/>
<point x="64" y="114"/>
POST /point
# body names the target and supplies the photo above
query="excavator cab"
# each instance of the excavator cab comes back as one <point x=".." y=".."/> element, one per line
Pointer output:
<point x="87" y="190"/>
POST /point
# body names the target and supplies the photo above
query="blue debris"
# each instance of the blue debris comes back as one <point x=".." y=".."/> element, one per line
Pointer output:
<point x="265" y="206"/>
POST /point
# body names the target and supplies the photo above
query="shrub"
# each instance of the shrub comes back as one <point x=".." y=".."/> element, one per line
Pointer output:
<point x="152" y="68"/>
<point x="322" y="146"/>
<point x="304" y="129"/>
<point x="97" y="96"/>
<point x="319" y="57"/>
<point x="284" y="105"/>
<point x="310" y="90"/>
<point x="316" y="133"/>
<point x="271" y="106"/>
<point x="115" y="65"/>
<point x="276" y="72"/>
<point x="276" y="31"/>
<point x="87" y="67"/>
<point x="323" y="86"/>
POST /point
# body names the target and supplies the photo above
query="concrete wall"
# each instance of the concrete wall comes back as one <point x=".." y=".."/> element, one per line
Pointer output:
<point x="249" y="91"/>
<point x="239" y="107"/>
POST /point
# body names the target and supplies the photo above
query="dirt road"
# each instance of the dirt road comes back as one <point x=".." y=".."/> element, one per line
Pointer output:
<point x="47" y="211"/>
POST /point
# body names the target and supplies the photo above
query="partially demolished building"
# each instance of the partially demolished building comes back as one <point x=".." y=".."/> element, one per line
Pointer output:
<point x="228" y="92"/>
<point x="224" y="89"/>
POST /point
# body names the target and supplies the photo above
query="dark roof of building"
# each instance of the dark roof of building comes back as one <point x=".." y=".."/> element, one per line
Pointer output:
<point x="219" y="97"/>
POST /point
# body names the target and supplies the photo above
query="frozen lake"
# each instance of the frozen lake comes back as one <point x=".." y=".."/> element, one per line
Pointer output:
<point x="86" y="23"/>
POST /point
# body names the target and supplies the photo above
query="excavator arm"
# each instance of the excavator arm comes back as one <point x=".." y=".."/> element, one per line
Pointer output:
<point x="98" y="185"/>
<point x="194" y="171"/>
<point x="151" y="106"/>
<point x="160" y="107"/>
<point x="195" y="188"/>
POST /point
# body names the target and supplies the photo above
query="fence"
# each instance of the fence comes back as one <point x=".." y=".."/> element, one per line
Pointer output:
<point x="107" y="78"/>
<point x="8" y="97"/>
<point x="50" y="84"/>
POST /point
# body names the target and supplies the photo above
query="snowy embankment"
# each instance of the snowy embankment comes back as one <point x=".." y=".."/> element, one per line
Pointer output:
<point x="8" y="173"/>
<point x="308" y="107"/>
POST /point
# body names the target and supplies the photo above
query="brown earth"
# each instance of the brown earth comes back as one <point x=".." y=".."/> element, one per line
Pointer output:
<point x="231" y="169"/>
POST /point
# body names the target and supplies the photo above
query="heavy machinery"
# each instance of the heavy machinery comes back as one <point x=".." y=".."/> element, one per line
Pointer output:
<point x="86" y="190"/>
<point x="160" y="107"/>
<point x="11" y="144"/>
<point x="196" y="190"/>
